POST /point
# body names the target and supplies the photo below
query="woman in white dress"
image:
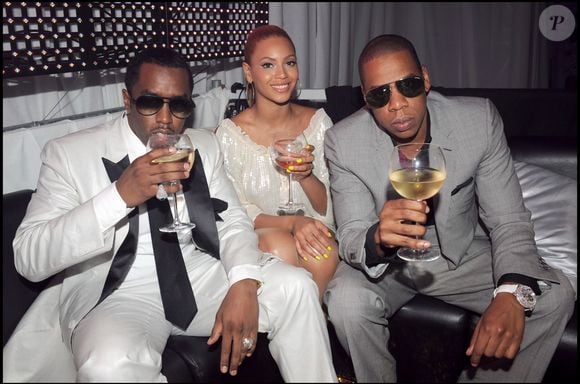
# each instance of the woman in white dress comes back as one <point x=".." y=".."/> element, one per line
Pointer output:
<point x="305" y="240"/>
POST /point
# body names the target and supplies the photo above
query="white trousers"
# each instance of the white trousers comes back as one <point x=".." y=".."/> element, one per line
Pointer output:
<point x="123" y="338"/>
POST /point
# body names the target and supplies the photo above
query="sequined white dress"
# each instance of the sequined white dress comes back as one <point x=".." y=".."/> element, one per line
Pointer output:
<point x="260" y="186"/>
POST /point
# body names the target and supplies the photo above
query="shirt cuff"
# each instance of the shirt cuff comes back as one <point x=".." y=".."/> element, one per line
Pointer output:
<point x="110" y="207"/>
<point x="372" y="257"/>
<point x="246" y="271"/>
<point x="521" y="279"/>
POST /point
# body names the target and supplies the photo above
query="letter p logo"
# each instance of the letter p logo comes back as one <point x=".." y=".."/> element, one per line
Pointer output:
<point x="556" y="20"/>
<point x="557" y="23"/>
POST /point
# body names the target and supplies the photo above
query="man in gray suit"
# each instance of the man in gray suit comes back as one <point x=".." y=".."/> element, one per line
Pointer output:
<point x="493" y="270"/>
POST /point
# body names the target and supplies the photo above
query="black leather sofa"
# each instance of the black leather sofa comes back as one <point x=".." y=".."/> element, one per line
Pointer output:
<point x="429" y="337"/>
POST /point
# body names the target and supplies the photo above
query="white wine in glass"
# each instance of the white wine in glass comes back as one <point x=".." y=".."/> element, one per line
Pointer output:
<point x="285" y="153"/>
<point x="184" y="153"/>
<point x="417" y="172"/>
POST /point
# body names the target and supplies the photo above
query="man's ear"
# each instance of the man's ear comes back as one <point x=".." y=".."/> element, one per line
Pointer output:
<point x="364" y="96"/>
<point x="426" y="78"/>
<point x="126" y="101"/>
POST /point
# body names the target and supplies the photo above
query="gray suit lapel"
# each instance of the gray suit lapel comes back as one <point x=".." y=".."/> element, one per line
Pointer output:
<point x="442" y="135"/>
<point x="383" y="146"/>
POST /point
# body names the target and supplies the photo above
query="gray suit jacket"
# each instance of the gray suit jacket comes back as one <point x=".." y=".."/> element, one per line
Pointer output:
<point x="481" y="183"/>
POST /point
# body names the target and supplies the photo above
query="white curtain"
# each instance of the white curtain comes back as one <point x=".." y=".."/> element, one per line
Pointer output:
<point x="476" y="45"/>
<point x="35" y="99"/>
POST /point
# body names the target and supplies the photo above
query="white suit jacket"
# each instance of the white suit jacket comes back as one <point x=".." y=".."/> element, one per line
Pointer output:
<point x="60" y="234"/>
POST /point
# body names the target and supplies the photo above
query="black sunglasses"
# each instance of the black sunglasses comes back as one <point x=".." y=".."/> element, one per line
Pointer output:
<point x="148" y="105"/>
<point x="409" y="87"/>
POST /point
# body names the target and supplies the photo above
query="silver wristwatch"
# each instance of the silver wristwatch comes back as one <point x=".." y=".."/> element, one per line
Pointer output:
<point x="524" y="295"/>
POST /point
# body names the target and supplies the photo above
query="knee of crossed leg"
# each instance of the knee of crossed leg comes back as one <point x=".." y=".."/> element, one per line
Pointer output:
<point x="279" y="242"/>
<point x="111" y="364"/>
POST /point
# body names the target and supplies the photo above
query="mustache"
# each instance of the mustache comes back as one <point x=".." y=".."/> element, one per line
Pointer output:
<point x="164" y="128"/>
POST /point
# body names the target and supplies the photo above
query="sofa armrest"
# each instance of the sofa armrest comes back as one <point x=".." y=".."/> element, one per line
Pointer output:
<point x="17" y="292"/>
<point x="189" y="359"/>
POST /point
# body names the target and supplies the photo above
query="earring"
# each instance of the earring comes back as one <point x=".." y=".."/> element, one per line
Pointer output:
<point x="250" y="94"/>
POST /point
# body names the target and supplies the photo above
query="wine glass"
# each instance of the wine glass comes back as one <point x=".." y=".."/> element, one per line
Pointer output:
<point x="285" y="153"/>
<point x="184" y="153"/>
<point x="417" y="171"/>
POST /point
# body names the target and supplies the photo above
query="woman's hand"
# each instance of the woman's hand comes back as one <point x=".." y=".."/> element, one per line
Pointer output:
<point x="313" y="238"/>
<point x="304" y="164"/>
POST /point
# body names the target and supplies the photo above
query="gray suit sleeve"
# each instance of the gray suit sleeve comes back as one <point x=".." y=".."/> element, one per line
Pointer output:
<point x="354" y="208"/>
<point x="501" y="205"/>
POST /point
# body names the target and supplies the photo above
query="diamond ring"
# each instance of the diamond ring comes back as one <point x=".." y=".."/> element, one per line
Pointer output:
<point x="161" y="193"/>
<point x="247" y="343"/>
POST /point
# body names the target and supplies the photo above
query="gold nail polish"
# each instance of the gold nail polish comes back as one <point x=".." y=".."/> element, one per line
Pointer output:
<point x="299" y="161"/>
<point x="325" y="255"/>
<point x="329" y="248"/>
<point x="288" y="171"/>
<point x="329" y="234"/>
<point x="291" y="168"/>
<point x="317" y="257"/>
<point x="304" y="258"/>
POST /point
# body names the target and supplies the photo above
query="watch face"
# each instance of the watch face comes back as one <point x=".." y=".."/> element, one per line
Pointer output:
<point x="526" y="296"/>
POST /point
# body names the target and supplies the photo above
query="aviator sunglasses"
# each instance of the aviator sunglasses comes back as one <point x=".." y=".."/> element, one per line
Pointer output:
<point x="148" y="105"/>
<point x="411" y="86"/>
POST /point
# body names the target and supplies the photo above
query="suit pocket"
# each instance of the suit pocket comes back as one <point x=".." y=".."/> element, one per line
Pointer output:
<point x="464" y="184"/>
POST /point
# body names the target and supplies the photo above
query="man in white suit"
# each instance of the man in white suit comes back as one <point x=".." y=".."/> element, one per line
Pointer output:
<point x="105" y="320"/>
<point x="494" y="271"/>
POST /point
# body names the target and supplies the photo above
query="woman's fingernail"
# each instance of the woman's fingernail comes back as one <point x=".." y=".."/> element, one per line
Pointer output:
<point x="329" y="248"/>
<point x="299" y="160"/>
<point x="291" y="168"/>
<point x="304" y="258"/>
<point x="329" y="234"/>
<point x="317" y="257"/>
<point x="325" y="255"/>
